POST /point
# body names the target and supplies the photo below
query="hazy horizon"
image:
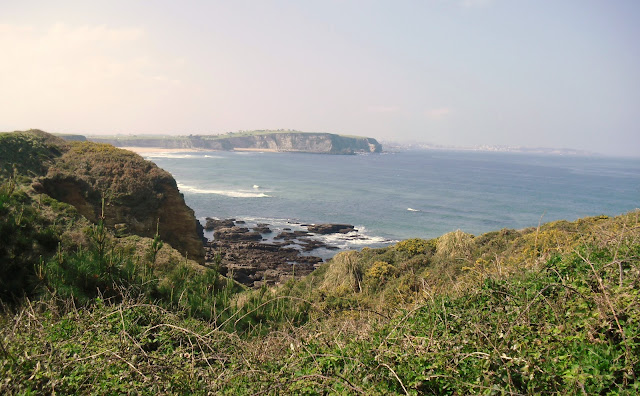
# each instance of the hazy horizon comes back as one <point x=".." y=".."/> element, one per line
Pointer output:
<point x="446" y="72"/>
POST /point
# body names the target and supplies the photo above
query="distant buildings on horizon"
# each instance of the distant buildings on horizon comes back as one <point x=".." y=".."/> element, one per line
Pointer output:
<point x="396" y="146"/>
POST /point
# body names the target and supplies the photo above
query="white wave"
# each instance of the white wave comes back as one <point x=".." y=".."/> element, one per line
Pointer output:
<point x="276" y="223"/>
<point x="413" y="210"/>
<point x="354" y="239"/>
<point x="170" y="155"/>
<point x="255" y="186"/>
<point x="227" y="193"/>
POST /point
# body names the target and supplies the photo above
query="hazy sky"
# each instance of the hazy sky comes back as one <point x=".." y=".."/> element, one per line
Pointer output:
<point x="454" y="72"/>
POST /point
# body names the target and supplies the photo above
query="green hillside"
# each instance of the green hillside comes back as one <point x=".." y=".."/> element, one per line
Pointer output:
<point x="91" y="309"/>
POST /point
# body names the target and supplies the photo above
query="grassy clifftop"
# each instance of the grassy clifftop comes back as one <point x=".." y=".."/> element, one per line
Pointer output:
<point x="29" y="152"/>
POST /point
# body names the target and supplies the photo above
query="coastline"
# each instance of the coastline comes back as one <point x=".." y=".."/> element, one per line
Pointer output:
<point x="155" y="150"/>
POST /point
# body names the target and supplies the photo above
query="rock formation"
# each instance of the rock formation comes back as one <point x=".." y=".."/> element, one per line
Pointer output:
<point x="330" y="228"/>
<point x="309" y="142"/>
<point x="254" y="260"/>
<point x="138" y="196"/>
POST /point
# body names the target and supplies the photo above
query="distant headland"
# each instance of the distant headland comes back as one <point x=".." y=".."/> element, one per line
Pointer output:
<point x="261" y="140"/>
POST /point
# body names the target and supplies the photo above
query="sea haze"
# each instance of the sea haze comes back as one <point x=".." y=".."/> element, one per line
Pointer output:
<point x="394" y="196"/>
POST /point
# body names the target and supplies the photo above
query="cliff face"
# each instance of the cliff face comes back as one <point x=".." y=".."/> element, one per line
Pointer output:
<point x="321" y="143"/>
<point x="324" y="143"/>
<point x="137" y="193"/>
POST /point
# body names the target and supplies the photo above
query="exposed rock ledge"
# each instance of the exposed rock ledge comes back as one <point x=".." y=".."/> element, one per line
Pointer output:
<point x="249" y="259"/>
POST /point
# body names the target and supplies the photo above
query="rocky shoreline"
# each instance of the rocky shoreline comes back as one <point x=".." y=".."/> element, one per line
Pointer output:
<point x="254" y="256"/>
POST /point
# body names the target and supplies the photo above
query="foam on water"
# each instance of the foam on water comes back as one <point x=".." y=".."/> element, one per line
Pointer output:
<point x="354" y="240"/>
<point x="227" y="193"/>
<point x="170" y="155"/>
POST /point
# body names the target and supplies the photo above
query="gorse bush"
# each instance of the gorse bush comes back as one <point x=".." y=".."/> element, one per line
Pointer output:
<point x="571" y="326"/>
<point x="415" y="246"/>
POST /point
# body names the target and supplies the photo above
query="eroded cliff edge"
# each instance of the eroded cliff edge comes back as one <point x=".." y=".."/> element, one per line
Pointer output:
<point x="308" y="142"/>
<point x="138" y="196"/>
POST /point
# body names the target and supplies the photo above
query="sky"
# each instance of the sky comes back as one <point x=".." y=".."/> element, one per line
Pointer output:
<point x="532" y="73"/>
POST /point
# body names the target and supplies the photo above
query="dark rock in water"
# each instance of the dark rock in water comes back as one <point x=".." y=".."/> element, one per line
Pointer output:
<point x="312" y="244"/>
<point x="287" y="236"/>
<point x="213" y="224"/>
<point x="263" y="229"/>
<point x="331" y="228"/>
<point x="255" y="261"/>
<point x="240" y="222"/>
<point x="236" y="234"/>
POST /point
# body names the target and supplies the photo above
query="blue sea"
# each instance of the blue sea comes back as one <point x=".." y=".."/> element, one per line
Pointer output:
<point x="395" y="196"/>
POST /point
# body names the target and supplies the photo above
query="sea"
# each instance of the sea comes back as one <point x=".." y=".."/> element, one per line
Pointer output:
<point x="393" y="196"/>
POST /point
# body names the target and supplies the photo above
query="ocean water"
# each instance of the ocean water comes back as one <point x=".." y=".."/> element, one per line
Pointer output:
<point x="395" y="196"/>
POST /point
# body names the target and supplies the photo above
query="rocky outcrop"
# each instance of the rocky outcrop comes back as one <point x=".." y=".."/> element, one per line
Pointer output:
<point x="255" y="260"/>
<point x="256" y="264"/>
<point x="213" y="224"/>
<point x="139" y="197"/>
<point x="330" y="228"/>
<point x="308" y="142"/>
<point x="236" y="234"/>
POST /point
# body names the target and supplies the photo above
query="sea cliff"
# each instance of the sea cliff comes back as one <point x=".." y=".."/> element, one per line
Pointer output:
<point x="308" y="142"/>
<point x="139" y="198"/>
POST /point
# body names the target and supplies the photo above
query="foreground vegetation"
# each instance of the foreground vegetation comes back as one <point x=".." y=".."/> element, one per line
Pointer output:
<point x="548" y="310"/>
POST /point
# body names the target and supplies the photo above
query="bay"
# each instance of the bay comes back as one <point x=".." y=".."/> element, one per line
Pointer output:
<point x="395" y="196"/>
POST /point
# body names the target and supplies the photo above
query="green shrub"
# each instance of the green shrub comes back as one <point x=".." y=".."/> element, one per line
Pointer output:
<point x="415" y="246"/>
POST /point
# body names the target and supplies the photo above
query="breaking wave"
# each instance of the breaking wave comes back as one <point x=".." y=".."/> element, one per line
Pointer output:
<point x="354" y="239"/>
<point x="226" y="193"/>
<point x="178" y="156"/>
